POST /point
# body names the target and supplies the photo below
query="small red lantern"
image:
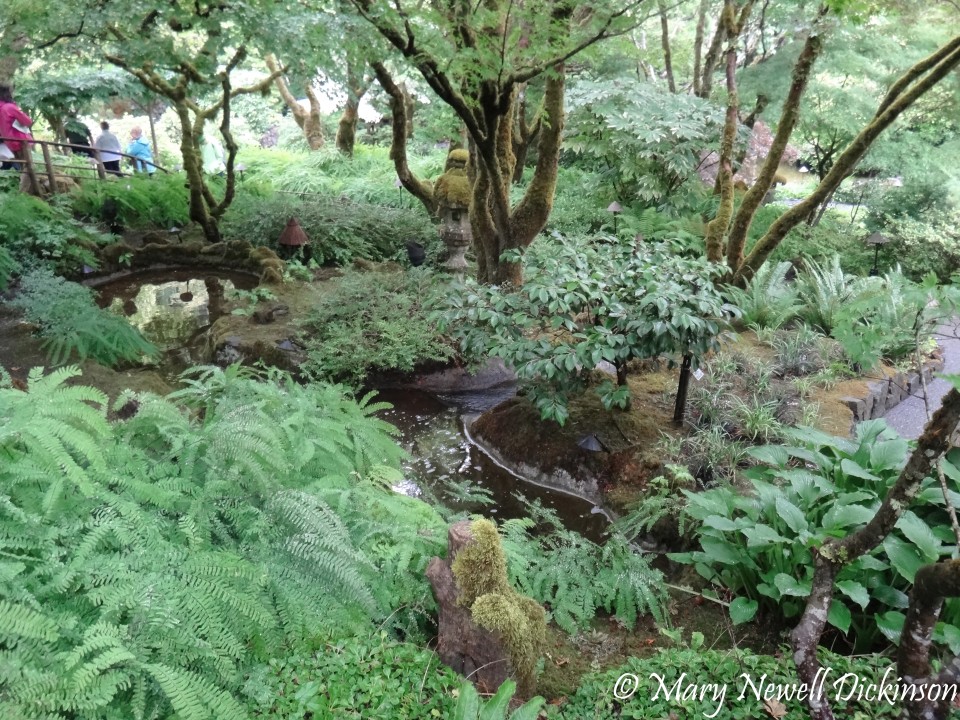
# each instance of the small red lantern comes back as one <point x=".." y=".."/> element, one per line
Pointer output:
<point x="293" y="235"/>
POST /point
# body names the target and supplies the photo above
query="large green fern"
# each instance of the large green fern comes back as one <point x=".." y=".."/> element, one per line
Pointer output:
<point x="575" y="578"/>
<point x="146" y="564"/>
<point x="768" y="301"/>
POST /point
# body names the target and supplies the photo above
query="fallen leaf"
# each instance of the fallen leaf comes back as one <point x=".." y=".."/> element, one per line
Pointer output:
<point x="775" y="708"/>
<point x="561" y="661"/>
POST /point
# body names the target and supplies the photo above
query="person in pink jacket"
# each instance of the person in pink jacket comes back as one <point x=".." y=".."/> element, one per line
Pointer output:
<point x="12" y="117"/>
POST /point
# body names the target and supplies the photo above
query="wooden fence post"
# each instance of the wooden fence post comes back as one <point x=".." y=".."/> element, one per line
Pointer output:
<point x="51" y="173"/>
<point x="31" y="171"/>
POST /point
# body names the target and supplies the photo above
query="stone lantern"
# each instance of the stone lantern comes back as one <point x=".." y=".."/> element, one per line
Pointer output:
<point x="452" y="192"/>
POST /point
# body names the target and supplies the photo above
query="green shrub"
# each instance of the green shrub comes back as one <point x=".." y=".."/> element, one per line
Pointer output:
<point x="339" y="230"/>
<point x="372" y="321"/>
<point x="369" y="678"/>
<point x="160" y="201"/>
<point x="38" y="233"/>
<point x="8" y="266"/>
<point x="697" y="667"/>
<point x="71" y="323"/>
<point x="930" y="244"/>
<point x="759" y="546"/>
<point x="833" y="235"/>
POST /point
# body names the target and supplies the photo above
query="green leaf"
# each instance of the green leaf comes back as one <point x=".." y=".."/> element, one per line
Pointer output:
<point x="788" y="585"/>
<point x="855" y="591"/>
<point x="762" y="535"/>
<point x="791" y="515"/>
<point x="890" y="624"/>
<point x="468" y="704"/>
<point x="840" y="517"/>
<point x="905" y="558"/>
<point x="920" y="534"/>
<point x="742" y="610"/>
<point x="839" y="616"/>
<point x="852" y="469"/>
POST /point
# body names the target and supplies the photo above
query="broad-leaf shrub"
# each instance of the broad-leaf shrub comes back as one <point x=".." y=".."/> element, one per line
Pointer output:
<point x="582" y="302"/>
<point x="149" y="564"/>
<point x="759" y="545"/>
<point x="647" y="141"/>
<point x="71" y="324"/>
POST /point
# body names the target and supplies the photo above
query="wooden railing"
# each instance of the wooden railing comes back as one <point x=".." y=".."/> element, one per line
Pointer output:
<point x="25" y="157"/>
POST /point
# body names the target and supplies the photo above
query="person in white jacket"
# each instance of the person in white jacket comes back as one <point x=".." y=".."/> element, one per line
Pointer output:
<point x="109" y="146"/>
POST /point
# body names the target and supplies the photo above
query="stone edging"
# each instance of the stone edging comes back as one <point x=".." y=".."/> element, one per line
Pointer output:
<point x="884" y="395"/>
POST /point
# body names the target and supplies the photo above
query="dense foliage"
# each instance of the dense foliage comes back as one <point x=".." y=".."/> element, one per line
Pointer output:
<point x="372" y="321"/>
<point x="584" y="302"/>
<point x="176" y="549"/>
<point x="760" y="546"/>
<point x="71" y="324"/>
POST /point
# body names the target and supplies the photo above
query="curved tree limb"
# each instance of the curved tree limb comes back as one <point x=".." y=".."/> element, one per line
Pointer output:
<point x="836" y="553"/>
<point x="849" y="158"/>
<point x="788" y="120"/>
<point x="420" y="189"/>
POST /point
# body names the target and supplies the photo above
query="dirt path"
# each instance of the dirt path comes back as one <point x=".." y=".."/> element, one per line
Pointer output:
<point x="910" y="417"/>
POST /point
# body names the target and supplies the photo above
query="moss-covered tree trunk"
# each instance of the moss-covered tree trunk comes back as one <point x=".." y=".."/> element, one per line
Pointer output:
<point x="205" y="209"/>
<point x="485" y="100"/>
<point x="916" y="82"/>
<point x="357" y="85"/>
<point x="497" y="227"/>
<point x="308" y="120"/>
<point x="737" y="238"/>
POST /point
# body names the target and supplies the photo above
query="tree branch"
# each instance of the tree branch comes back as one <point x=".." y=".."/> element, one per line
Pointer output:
<point x="788" y="120"/>
<point x="420" y="189"/>
<point x="836" y="553"/>
<point x="845" y="164"/>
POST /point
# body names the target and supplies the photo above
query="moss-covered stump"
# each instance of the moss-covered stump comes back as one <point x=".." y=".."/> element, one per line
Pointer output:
<point x="488" y="631"/>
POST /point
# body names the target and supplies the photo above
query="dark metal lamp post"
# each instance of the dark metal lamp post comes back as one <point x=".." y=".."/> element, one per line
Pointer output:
<point x="616" y="209"/>
<point x="876" y="240"/>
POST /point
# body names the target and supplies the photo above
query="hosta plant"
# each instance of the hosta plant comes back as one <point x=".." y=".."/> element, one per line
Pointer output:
<point x="759" y="546"/>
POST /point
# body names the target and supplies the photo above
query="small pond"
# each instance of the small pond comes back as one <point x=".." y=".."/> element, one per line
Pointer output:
<point x="173" y="307"/>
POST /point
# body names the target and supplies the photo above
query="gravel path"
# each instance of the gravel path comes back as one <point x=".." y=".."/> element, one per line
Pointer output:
<point x="909" y="417"/>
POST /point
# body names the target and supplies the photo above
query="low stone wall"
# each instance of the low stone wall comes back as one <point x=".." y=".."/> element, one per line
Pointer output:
<point x="885" y="394"/>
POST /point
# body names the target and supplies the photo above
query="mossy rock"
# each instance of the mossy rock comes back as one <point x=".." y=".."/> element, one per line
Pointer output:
<point x="453" y="190"/>
<point x="456" y="159"/>
<point x="113" y="252"/>
<point x="271" y="276"/>
<point x="261" y="253"/>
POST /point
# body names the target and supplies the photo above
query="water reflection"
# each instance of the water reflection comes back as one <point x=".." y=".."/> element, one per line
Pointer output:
<point x="169" y="307"/>
<point x="440" y="453"/>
